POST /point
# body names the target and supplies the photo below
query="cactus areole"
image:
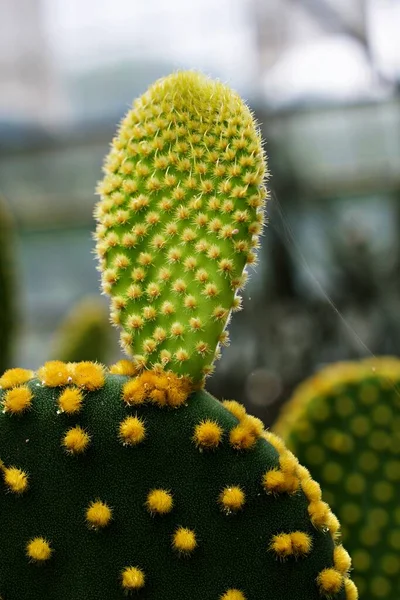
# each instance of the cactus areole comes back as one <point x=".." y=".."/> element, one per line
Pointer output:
<point x="133" y="481"/>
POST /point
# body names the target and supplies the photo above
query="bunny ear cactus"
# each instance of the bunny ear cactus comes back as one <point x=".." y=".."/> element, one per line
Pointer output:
<point x="344" y="424"/>
<point x="134" y="480"/>
<point x="179" y="218"/>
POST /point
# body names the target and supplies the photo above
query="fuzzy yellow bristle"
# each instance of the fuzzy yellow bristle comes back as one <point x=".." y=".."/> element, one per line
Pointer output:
<point x="276" y="481"/>
<point x="15" y="479"/>
<point x="242" y="437"/>
<point x="207" y="434"/>
<point x="159" y="502"/>
<point x="330" y="582"/>
<point x="38" y="550"/>
<point x="232" y="499"/>
<point x="70" y="400"/>
<point x="319" y="513"/>
<point x="233" y="594"/>
<point x="184" y="540"/>
<point x="234" y="407"/>
<point x="275" y="441"/>
<point x="76" y="440"/>
<point x="133" y="579"/>
<point x="351" y="590"/>
<point x="311" y="489"/>
<point x="88" y="375"/>
<point x="281" y="544"/>
<point x="341" y="560"/>
<point x="254" y="425"/>
<point x="301" y="543"/>
<point x="17" y="400"/>
<point x="134" y="392"/>
<point x="123" y="367"/>
<point x="98" y="514"/>
<point x="14" y="377"/>
<point x="54" y="373"/>
<point x="132" y="431"/>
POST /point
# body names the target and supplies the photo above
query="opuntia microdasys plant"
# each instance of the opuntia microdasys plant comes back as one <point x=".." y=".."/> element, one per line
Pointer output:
<point x="344" y="424"/>
<point x="135" y="480"/>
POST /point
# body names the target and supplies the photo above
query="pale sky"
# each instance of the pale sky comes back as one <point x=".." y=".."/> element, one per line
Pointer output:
<point x="218" y="37"/>
<point x="203" y="34"/>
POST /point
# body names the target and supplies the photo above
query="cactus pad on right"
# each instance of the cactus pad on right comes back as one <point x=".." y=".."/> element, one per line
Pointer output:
<point x="344" y="425"/>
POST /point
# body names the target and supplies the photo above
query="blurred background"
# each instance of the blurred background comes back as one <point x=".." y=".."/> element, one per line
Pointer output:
<point x="323" y="78"/>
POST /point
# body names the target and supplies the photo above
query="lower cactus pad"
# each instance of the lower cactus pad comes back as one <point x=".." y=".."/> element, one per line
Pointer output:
<point x="112" y="484"/>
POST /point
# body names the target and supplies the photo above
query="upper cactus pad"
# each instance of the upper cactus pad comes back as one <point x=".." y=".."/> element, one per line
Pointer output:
<point x="180" y="213"/>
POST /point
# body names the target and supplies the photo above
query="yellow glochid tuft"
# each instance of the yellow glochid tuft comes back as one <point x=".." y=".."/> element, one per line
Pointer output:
<point x="132" y="431"/>
<point x="232" y="499"/>
<point x="134" y="392"/>
<point x="163" y="388"/>
<point x="207" y="434"/>
<point x="98" y="514"/>
<point x="351" y="590"/>
<point x="242" y="436"/>
<point x="184" y="540"/>
<point x="88" y="375"/>
<point x="17" y="400"/>
<point x="123" y="367"/>
<point x="330" y="582"/>
<point x="14" y="377"/>
<point x="235" y="408"/>
<point x="320" y="513"/>
<point x="133" y="579"/>
<point x="341" y="560"/>
<point x="254" y="425"/>
<point x="281" y="544"/>
<point x="15" y="479"/>
<point x="54" y="373"/>
<point x="301" y="543"/>
<point x="38" y="550"/>
<point x="70" y="400"/>
<point x="276" y="481"/>
<point x="233" y="594"/>
<point x="296" y="543"/>
<point x="159" y="502"/>
<point x="76" y="440"/>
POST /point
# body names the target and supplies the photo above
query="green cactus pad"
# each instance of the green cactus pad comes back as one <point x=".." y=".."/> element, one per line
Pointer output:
<point x="179" y="218"/>
<point x="107" y="488"/>
<point x="344" y="425"/>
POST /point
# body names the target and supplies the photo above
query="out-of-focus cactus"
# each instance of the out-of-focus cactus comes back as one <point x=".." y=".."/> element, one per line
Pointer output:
<point x="8" y="301"/>
<point x="344" y="425"/>
<point x="136" y="480"/>
<point x="85" y="333"/>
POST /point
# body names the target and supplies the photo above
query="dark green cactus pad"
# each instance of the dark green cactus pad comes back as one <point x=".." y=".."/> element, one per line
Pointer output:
<point x="270" y="538"/>
<point x="344" y="425"/>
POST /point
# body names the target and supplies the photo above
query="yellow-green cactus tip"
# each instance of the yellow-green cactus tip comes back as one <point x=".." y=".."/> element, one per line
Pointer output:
<point x="180" y="213"/>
